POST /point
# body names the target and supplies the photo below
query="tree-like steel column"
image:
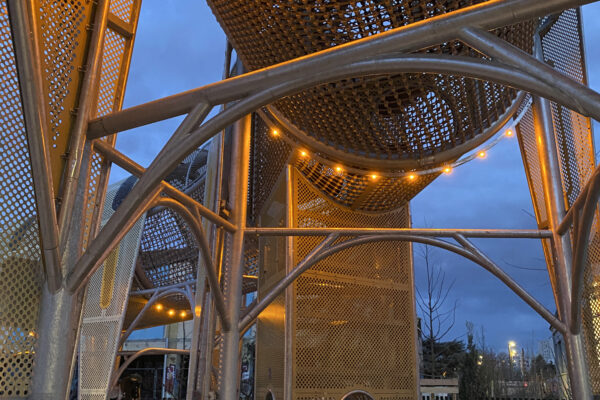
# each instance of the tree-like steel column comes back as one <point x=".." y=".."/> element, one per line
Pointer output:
<point x="553" y="194"/>
<point x="240" y="162"/>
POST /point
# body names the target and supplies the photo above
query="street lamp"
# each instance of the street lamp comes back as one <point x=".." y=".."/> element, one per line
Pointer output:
<point x="512" y="351"/>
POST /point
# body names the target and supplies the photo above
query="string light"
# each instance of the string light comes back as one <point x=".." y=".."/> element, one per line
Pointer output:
<point x="275" y="133"/>
<point x="303" y="153"/>
<point x="374" y="177"/>
<point x="158" y="307"/>
<point x="481" y="154"/>
<point x="338" y="169"/>
<point x="447" y="170"/>
<point x="412" y="177"/>
<point x="509" y="133"/>
<point x="183" y="314"/>
<point x="171" y="313"/>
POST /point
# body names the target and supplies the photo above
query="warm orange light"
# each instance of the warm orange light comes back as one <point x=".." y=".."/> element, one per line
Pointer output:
<point x="447" y="170"/>
<point x="338" y="169"/>
<point x="158" y="307"/>
<point x="32" y="333"/>
<point x="374" y="176"/>
<point x="171" y="313"/>
<point x="275" y="132"/>
<point x="509" y="132"/>
<point x="412" y="177"/>
<point x="183" y="314"/>
<point x="303" y="153"/>
<point x="481" y="154"/>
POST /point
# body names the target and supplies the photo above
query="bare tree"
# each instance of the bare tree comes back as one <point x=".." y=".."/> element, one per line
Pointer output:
<point x="437" y="317"/>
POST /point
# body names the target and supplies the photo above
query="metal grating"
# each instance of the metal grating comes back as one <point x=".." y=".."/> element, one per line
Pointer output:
<point x="122" y="9"/>
<point x="391" y="117"/>
<point x="20" y="269"/>
<point x="104" y="309"/>
<point x="63" y="35"/>
<point x="353" y="313"/>
<point x="576" y="152"/>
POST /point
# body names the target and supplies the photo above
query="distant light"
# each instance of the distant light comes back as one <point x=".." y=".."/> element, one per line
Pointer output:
<point x="374" y="177"/>
<point x="509" y="132"/>
<point x="171" y="313"/>
<point x="338" y="169"/>
<point x="412" y="177"/>
<point x="447" y="170"/>
<point x="511" y="343"/>
<point x="183" y="314"/>
<point x="275" y="132"/>
<point x="481" y="154"/>
<point x="158" y="307"/>
<point x="303" y="153"/>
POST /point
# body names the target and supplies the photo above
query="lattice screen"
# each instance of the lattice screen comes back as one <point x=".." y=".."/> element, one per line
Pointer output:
<point x="20" y="267"/>
<point x="104" y="309"/>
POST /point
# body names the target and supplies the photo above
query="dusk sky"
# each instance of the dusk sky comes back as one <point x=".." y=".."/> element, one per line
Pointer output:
<point x="180" y="46"/>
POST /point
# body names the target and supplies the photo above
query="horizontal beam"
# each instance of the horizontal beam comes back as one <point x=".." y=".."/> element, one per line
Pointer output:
<point x="161" y="288"/>
<point x="473" y="233"/>
<point x="432" y="31"/>
<point x="134" y="168"/>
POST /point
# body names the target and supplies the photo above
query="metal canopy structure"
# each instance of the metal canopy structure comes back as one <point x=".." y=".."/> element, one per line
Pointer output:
<point x="298" y="188"/>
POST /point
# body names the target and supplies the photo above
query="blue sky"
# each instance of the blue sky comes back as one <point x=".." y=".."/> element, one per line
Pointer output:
<point x="180" y="46"/>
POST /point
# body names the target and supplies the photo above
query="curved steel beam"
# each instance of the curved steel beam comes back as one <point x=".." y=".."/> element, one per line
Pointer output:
<point x="477" y="257"/>
<point x="138" y="354"/>
<point x="198" y="232"/>
<point x="155" y="297"/>
<point x="430" y="32"/>
<point x="172" y="156"/>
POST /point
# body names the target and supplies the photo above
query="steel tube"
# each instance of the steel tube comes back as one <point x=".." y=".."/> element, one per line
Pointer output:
<point x="577" y="205"/>
<point x="84" y="110"/>
<point x="280" y="286"/>
<point x="587" y="101"/>
<point x="580" y="251"/>
<point x="487" y="15"/>
<point x="238" y="196"/>
<point x="160" y="288"/>
<point x="205" y="253"/>
<point x="34" y="115"/>
<point x="478" y="233"/>
<point x="555" y="206"/>
<point x="113" y="155"/>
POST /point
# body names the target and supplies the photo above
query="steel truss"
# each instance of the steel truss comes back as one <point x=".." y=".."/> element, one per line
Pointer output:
<point x="379" y="54"/>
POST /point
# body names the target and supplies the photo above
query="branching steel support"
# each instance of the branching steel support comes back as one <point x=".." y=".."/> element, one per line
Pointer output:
<point x="229" y="372"/>
<point x="553" y="194"/>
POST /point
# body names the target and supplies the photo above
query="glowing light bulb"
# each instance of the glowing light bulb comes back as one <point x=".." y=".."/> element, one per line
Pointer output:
<point x="338" y="169"/>
<point x="509" y="132"/>
<point x="481" y="154"/>
<point x="171" y="313"/>
<point x="303" y="153"/>
<point x="447" y="170"/>
<point x="412" y="177"/>
<point x="158" y="307"/>
<point x="275" y="132"/>
<point x="374" y="177"/>
<point x="183" y="314"/>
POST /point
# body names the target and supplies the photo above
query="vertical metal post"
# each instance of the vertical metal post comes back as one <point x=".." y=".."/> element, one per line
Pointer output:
<point x="553" y="193"/>
<point x="238" y="195"/>
<point x="288" y="373"/>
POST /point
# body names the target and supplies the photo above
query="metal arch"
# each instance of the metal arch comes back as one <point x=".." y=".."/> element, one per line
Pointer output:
<point x="138" y="354"/>
<point x="347" y="395"/>
<point x="155" y="297"/>
<point x="198" y="231"/>
<point x="172" y="155"/>
<point x="466" y="250"/>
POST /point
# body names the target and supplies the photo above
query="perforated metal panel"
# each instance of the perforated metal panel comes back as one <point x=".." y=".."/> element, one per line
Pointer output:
<point x="104" y="309"/>
<point x="391" y="117"/>
<point x="352" y="315"/>
<point x="21" y="272"/>
<point x="563" y="49"/>
<point x="354" y="322"/>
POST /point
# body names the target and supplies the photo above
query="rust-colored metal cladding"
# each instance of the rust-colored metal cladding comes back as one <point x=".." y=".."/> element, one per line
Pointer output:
<point x="397" y="118"/>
